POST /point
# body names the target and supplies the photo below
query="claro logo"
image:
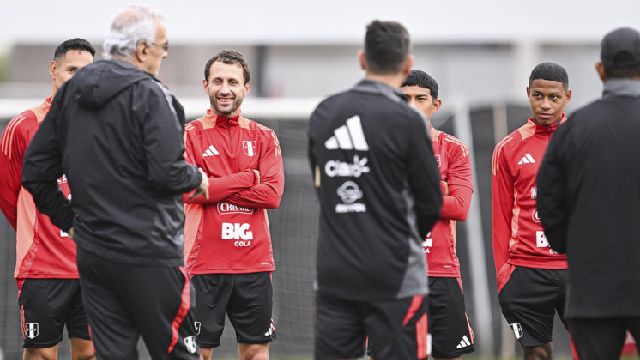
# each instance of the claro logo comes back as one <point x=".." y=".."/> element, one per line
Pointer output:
<point x="338" y="168"/>
<point x="227" y="209"/>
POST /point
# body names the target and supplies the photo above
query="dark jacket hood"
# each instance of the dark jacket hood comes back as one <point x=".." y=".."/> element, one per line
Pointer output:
<point x="98" y="82"/>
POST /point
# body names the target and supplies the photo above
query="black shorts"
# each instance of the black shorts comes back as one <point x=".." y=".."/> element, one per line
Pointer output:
<point x="396" y="329"/>
<point x="46" y="307"/>
<point x="451" y="333"/>
<point x="124" y="302"/>
<point x="246" y="298"/>
<point x="602" y="338"/>
<point x="529" y="300"/>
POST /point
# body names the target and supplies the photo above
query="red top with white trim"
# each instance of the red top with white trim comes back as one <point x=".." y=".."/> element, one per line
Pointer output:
<point x="42" y="249"/>
<point x="518" y="237"/>
<point x="229" y="232"/>
<point x="455" y="169"/>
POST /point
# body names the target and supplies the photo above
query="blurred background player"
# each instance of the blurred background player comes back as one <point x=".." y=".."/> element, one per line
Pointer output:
<point x="378" y="186"/>
<point x="228" y="246"/>
<point x="589" y="204"/>
<point x="117" y="133"/>
<point x="447" y="319"/>
<point x="531" y="276"/>
<point x="46" y="271"/>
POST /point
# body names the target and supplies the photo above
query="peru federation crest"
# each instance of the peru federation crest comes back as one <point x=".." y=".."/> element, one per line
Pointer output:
<point x="517" y="330"/>
<point x="32" y="330"/>
<point x="249" y="148"/>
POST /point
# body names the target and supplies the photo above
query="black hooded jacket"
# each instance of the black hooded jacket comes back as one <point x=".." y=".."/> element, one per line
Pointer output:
<point x="589" y="203"/>
<point x="378" y="185"/>
<point x="117" y="135"/>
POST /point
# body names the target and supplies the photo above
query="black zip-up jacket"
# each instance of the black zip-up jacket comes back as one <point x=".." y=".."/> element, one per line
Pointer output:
<point x="589" y="203"/>
<point x="117" y="135"/>
<point x="378" y="186"/>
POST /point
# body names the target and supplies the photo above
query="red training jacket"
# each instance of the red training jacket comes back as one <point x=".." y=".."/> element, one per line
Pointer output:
<point x="42" y="250"/>
<point x="518" y="237"/>
<point x="453" y="161"/>
<point x="229" y="232"/>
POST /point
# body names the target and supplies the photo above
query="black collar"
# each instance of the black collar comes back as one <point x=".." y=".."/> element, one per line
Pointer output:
<point x="616" y="87"/>
<point x="377" y="87"/>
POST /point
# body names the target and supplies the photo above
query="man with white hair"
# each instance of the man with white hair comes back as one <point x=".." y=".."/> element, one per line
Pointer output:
<point x="117" y="134"/>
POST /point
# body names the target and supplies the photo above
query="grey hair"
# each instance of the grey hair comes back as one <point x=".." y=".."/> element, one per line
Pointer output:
<point x="134" y="24"/>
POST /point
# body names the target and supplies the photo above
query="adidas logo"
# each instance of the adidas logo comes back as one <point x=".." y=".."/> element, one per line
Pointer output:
<point x="211" y="151"/>
<point x="464" y="343"/>
<point x="272" y="329"/>
<point x="527" y="159"/>
<point x="348" y="137"/>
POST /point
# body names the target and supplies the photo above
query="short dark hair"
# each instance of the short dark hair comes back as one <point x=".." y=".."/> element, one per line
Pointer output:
<point x="551" y="72"/>
<point x="386" y="47"/>
<point x="229" y="57"/>
<point x="622" y="72"/>
<point x="73" y="44"/>
<point x="421" y="79"/>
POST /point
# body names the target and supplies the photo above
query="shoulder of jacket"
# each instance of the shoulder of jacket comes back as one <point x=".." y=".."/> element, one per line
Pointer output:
<point x="23" y="117"/>
<point x="193" y="126"/>
<point x="590" y="108"/>
<point x="330" y="100"/>
<point x="507" y="143"/>
<point x="337" y="96"/>
<point x="499" y="153"/>
<point x="22" y="121"/>
<point x="404" y="116"/>
<point x="519" y="135"/>
<point x="152" y="86"/>
<point x="263" y="129"/>
<point x="17" y="128"/>
<point x="256" y="126"/>
<point x="455" y="143"/>
<point x="390" y="103"/>
<point x="452" y="139"/>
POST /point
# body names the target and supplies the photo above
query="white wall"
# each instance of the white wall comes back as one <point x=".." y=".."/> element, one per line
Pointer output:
<point x="479" y="50"/>
<point x="326" y="21"/>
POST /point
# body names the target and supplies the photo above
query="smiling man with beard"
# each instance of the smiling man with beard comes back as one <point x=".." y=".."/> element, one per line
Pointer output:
<point x="227" y="242"/>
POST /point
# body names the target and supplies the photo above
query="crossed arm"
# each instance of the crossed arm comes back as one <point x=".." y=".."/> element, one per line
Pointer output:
<point x="255" y="188"/>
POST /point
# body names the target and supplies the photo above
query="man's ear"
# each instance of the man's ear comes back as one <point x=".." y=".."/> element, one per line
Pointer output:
<point x="141" y="52"/>
<point x="408" y="65"/>
<point x="362" y="60"/>
<point x="247" y="88"/>
<point x="569" y="94"/>
<point x="601" y="72"/>
<point x="53" y="67"/>
<point x="437" y="103"/>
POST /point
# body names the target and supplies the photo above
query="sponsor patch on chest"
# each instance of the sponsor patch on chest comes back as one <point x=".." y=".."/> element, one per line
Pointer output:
<point x="228" y="209"/>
